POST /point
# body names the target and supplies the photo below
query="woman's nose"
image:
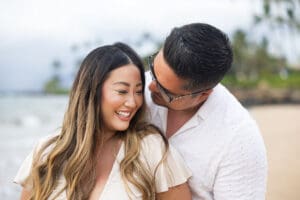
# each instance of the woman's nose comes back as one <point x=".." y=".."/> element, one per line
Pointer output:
<point x="130" y="101"/>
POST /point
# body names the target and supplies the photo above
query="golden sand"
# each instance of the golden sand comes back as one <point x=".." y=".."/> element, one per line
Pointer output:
<point x="280" y="127"/>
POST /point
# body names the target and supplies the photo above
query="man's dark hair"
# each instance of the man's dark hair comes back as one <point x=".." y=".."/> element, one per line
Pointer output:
<point x="198" y="53"/>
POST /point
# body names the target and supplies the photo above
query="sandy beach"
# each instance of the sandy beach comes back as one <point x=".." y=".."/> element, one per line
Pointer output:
<point x="280" y="127"/>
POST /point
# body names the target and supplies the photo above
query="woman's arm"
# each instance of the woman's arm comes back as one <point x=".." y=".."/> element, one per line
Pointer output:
<point x="179" y="192"/>
<point x="25" y="195"/>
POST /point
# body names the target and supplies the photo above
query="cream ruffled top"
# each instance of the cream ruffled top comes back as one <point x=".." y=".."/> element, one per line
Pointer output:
<point x="171" y="173"/>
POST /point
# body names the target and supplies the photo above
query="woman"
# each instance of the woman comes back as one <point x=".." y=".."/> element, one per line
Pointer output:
<point x="105" y="149"/>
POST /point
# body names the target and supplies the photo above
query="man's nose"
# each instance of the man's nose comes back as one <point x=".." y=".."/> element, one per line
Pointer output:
<point x="153" y="86"/>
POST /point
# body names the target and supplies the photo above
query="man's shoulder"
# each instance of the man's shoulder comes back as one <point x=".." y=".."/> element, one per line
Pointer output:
<point x="222" y="94"/>
<point x="223" y="105"/>
<point x="223" y="113"/>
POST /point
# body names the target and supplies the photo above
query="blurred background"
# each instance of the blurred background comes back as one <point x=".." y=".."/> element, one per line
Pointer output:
<point x="42" y="44"/>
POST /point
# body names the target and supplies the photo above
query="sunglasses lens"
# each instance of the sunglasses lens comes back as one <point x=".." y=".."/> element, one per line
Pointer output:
<point x="163" y="94"/>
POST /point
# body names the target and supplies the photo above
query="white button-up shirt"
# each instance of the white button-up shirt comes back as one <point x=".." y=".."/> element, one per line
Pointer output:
<point x="222" y="146"/>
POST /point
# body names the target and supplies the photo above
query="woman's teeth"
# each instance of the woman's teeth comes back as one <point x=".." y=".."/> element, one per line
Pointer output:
<point x="123" y="114"/>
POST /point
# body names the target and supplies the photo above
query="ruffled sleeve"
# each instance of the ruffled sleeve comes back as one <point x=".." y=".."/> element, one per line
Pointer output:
<point x="23" y="176"/>
<point x="172" y="171"/>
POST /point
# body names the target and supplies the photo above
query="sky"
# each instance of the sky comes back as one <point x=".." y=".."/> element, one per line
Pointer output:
<point x="34" y="33"/>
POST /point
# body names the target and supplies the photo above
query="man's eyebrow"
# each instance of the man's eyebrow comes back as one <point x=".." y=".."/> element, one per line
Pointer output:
<point x="126" y="84"/>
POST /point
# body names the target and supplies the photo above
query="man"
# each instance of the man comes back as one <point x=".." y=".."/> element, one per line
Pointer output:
<point x="216" y="136"/>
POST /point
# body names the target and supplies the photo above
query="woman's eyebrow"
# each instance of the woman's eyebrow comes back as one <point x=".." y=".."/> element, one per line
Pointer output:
<point x="126" y="84"/>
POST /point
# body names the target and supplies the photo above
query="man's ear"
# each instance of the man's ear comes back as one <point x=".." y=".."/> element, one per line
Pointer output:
<point x="205" y="95"/>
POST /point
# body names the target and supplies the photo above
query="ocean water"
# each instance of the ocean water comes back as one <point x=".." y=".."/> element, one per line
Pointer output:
<point x="23" y="121"/>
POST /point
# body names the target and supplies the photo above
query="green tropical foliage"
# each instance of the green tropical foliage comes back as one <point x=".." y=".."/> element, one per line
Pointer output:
<point x="254" y="66"/>
<point x="280" y="14"/>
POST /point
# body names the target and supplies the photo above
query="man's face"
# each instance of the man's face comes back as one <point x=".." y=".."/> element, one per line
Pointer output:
<point x="166" y="84"/>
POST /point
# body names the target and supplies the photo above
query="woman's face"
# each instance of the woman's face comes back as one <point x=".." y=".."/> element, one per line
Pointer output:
<point x="122" y="96"/>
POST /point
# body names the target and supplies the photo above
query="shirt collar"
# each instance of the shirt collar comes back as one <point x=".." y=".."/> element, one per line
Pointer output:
<point x="210" y="104"/>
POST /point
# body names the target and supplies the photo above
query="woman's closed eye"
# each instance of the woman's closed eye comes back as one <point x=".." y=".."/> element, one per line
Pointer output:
<point x="123" y="92"/>
<point x="139" y="92"/>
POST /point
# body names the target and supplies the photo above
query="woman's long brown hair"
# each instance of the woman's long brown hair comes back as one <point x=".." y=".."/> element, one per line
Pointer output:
<point x="72" y="154"/>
